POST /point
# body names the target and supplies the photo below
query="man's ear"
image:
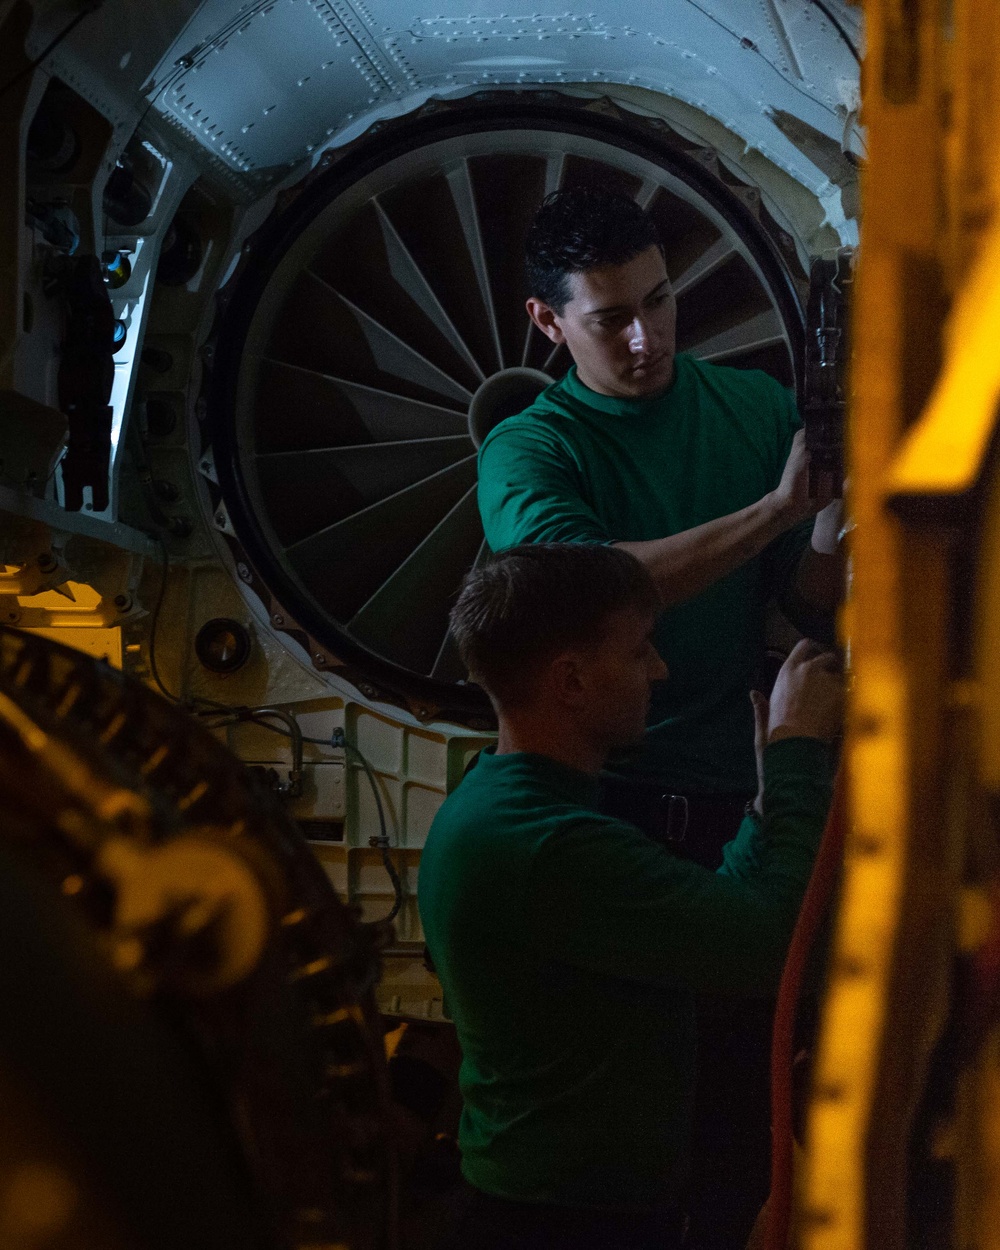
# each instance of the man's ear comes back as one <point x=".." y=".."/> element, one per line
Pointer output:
<point x="546" y="318"/>
<point x="565" y="679"/>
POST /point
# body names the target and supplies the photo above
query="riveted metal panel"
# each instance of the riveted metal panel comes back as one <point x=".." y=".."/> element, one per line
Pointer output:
<point x="267" y="86"/>
<point x="744" y="69"/>
<point x="264" y="84"/>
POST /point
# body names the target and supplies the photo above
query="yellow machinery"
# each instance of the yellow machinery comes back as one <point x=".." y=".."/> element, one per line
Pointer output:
<point x="904" y="1138"/>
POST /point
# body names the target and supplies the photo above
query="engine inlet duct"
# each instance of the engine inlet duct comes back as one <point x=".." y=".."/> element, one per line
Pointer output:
<point x="375" y="331"/>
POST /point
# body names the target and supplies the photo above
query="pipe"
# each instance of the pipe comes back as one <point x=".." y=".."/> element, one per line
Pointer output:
<point x="814" y="906"/>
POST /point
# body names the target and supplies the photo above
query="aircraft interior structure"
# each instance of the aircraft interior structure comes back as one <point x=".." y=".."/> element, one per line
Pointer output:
<point x="262" y="299"/>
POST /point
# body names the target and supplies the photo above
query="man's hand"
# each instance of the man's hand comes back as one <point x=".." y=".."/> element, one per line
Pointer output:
<point x="791" y="497"/>
<point x="808" y="697"/>
<point x="762" y="718"/>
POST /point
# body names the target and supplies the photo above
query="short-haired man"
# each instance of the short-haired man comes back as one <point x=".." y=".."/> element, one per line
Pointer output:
<point x="570" y="945"/>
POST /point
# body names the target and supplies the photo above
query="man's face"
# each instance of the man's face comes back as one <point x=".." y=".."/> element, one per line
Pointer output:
<point x="619" y="324"/>
<point x="616" y="675"/>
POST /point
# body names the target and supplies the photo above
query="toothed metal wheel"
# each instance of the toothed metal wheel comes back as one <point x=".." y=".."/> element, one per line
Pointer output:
<point x="377" y="331"/>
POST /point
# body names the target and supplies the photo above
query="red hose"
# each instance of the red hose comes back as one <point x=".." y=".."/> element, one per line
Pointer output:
<point x="814" y="906"/>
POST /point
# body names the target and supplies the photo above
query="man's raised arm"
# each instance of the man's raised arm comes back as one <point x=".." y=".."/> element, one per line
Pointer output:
<point x="687" y="563"/>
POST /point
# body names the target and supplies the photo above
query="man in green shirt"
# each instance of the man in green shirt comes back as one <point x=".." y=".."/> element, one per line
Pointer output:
<point x="701" y="472"/>
<point x="696" y="469"/>
<point x="569" y="945"/>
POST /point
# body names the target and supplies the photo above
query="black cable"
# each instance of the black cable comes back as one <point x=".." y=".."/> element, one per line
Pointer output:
<point x="838" y="28"/>
<point x="262" y="716"/>
<point x="91" y="6"/>
<point x="247" y="713"/>
<point x="382" y="841"/>
<point x="337" y="741"/>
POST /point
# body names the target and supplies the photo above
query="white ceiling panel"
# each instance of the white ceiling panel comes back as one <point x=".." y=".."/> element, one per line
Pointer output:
<point x="782" y="56"/>
<point x="262" y="87"/>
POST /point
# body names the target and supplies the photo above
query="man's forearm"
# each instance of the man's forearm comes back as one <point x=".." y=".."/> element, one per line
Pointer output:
<point x="685" y="564"/>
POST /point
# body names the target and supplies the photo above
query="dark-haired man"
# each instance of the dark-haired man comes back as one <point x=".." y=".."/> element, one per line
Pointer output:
<point x="694" y="468"/>
<point x="569" y="945"/>
<point x="699" y="471"/>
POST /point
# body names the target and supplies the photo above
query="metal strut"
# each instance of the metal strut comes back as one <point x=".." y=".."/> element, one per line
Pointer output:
<point x="824" y="386"/>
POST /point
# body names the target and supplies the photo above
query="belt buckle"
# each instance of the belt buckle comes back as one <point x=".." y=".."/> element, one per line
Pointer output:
<point x="676" y="813"/>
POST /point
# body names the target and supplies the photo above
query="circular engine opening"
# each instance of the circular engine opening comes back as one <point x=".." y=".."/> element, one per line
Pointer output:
<point x="503" y="395"/>
<point x="376" y="331"/>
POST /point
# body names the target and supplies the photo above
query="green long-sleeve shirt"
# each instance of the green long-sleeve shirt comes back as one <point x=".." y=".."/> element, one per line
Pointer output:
<point x="578" y="466"/>
<point x="570" y="947"/>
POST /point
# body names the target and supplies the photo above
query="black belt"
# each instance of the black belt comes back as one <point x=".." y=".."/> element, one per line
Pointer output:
<point x="694" y="825"/>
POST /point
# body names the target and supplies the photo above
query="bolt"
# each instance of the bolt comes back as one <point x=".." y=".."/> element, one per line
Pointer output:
<point x="868" y="724"/>
<point x="865" y="844"/>
<point x="166" y="491"/>
<point x="277" y="619"/>
<point x="817" y="1217"/>
<point x="47" y="562"/>
<point x="244" y="573"/>
<point x="123" y="602"/>
<point x="319" y="658"/>
<point x="12" y="617"/>
<point x="832" y="1091"/>
<point x="157" y="359"/>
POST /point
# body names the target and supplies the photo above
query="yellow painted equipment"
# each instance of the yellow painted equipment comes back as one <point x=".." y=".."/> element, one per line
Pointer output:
<point x="908" y="1050"/>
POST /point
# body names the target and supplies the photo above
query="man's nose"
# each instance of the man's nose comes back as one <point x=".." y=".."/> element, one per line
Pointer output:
<point x="638" y="336"/>
<point x="658" y="667"/>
